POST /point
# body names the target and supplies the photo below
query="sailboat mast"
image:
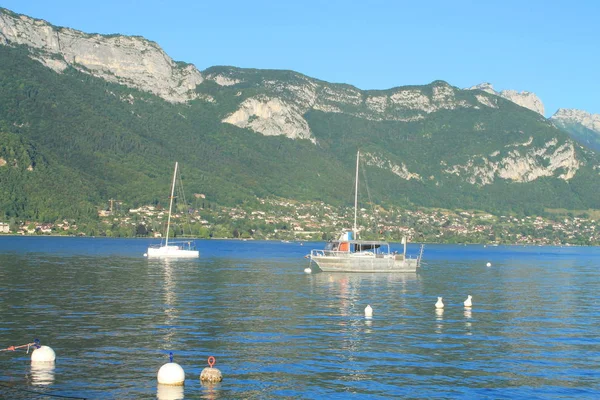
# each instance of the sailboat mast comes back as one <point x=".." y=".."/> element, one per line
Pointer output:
<point x="356" y="195"/>
<point x="171" y="204"/>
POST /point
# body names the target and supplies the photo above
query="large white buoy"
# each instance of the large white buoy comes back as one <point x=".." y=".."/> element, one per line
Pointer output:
<point x="42" y="354"/>
<point x="489" y="264"/>
<point x="211" y="374"/>
<point x="368" y="311"/>
<point x="307" y="270"/>
<point x="171" y="373"/>
<point x="439" y="303"/>
<point x="468" y="302"/>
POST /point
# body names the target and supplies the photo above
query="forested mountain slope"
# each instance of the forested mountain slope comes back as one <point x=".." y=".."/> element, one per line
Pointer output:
<point x="70" y="139"/>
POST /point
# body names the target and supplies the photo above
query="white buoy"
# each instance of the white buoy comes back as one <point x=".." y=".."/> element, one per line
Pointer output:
<point x="211" y="374"/>
<point x="171" y="373"/>
<point x="43" y="354"/>
<point x="468" y="302"/>
<point x="368" y="311"/>
<point x="440" y="303"/>
<point x="307" y="270"/>
<point x="489" y="264"/>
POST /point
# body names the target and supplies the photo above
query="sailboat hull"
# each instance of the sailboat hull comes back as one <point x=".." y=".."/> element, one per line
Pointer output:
<point x="172" y="251"/>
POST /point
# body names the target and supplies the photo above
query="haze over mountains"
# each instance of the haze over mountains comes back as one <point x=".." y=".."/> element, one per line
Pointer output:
<point x="107" y="116"/>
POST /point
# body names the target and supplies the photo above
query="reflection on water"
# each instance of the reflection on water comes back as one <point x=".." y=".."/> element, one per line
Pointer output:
<point x="352" y="288"/>
<point x="170" y="298"/>
<point x="169" y="392"/>
<point x="468" y="313"/>
<point x="439" y="317"/>
<point x="399" y="279"/>
<point x="211" y="390"/>
<point x="42" y="373"/>
<point x="277" y="332"/>
<point x="468" y="324"/>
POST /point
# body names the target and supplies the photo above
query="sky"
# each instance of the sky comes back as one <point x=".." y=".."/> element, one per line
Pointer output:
<point x="550" y="48"/>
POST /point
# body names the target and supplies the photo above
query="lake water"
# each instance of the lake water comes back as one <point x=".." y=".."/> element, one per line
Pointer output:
<point x="112" y="317"/>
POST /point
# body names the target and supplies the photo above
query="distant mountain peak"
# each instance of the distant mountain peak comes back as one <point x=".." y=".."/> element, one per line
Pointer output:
<point x="586" y="119"/>
<point x="486" y="87"/>
<point x="581" y="125"/>
<point x="524" y="99"/>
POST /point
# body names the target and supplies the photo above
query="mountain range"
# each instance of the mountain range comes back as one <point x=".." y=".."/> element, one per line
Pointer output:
<point x="85" y="118"/>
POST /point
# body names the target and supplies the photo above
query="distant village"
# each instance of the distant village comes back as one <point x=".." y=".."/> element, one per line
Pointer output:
<point x="277" y="219"/>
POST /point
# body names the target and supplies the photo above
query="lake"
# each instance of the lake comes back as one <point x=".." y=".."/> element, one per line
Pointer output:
<point x="112" y="317"/>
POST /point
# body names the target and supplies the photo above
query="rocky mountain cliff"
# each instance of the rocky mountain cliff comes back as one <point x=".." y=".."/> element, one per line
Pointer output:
<point x="281" y="109"/>
<point x="130" y="61"/>
<point x="583" y="118"/>
<point x="244" y="133"/>
<point x="581" y="125"/>
<point x="524" y="99"/>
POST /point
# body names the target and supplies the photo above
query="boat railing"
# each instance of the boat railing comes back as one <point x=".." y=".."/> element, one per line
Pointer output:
<point x="343" y="254"/>
<point x="329" y="253"/>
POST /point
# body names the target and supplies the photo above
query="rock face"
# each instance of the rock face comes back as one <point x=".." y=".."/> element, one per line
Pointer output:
<point x="131" y="61"/>
<point x="582" y="126"/>
<point x="399" y="170"/>
<point x="523" y="163"/>
<point x="570" y="116"/>
<point x="281" y="110"/>
<point x="271" y="117"/>
<point x="524" y="99"/>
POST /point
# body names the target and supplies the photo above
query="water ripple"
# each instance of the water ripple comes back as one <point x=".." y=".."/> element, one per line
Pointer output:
<point x="113" y="316"/>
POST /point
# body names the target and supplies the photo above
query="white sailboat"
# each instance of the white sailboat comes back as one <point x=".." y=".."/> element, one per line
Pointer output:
<point x="350" y="254"/>
<point x="173" y="249"/>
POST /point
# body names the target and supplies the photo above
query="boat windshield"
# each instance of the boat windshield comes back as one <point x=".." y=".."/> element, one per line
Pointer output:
<point x="363" y="247"/>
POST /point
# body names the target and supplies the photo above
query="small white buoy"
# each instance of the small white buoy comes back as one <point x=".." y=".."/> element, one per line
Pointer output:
<point x="43" y="354"/>
<point x="307" y="270"/>
<point x="368" y="311"/>
<point x="468" y="302"/>
<point x="440" y="303"/>
<point x="145" y="254"/>
<point x="210" y="374"/>
<point x="489" y="264"/>
<point x="171" y="373"/>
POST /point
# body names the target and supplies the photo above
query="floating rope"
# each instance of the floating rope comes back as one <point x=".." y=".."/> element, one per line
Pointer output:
<point x="36" y="344"/>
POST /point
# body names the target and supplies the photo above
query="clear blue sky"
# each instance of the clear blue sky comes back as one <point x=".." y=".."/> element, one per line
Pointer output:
<point x="551" y="48"/>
